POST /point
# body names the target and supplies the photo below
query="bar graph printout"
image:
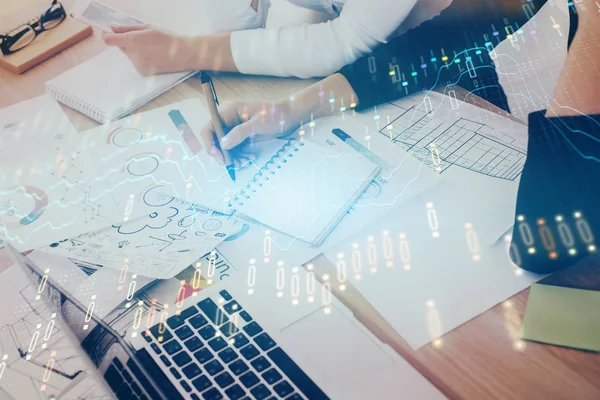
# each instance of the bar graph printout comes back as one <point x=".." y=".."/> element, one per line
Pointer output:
<point x="448" y="137"/>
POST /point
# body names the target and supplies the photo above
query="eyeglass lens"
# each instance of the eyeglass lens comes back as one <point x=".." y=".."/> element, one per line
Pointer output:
<point x="53" y="16"/>
<point x="21" y="37"/>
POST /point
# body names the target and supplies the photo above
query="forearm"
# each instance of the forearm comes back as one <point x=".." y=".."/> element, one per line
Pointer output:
<point x="206" y="53"/>
<point x="577" y="89"/>
<point x="314" y="101"/>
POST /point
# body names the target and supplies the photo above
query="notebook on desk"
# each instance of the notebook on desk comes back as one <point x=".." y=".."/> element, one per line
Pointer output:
<point x="108" y="87"/>
<point x="304" y="189"/>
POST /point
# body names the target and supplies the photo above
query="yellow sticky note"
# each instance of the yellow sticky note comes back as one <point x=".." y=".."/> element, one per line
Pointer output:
<point x="563" y="316"/>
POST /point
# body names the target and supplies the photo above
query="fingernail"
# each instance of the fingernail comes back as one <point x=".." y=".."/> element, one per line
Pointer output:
<point x="225" y="143"/>
<point x="214" y="153"/>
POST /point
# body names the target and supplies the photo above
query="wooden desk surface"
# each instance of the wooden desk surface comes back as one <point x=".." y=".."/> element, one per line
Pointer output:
<point x="482" y="359"/>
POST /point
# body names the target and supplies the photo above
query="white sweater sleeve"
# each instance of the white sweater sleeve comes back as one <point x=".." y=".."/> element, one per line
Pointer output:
<point x="319" y="49"/>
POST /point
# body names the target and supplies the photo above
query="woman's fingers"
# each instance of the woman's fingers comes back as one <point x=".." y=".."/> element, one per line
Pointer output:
<point x="122" y="35"/>
<point x="237" y="135"/>
<point x="230" y="118"/>
<point x="128" y="28"/>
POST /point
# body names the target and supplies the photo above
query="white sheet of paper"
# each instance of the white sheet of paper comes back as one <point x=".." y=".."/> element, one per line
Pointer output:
<point x="464" y="144"/>
<point x="425" y="268"/>
<point x="48" y="184"/>
<point x="160" y="245"/>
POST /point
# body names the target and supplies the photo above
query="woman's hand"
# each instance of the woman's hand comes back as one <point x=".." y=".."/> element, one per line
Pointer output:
<point x="154" y="50"/>
<point x="265" y="121"/>
<point x="150" y="49"/>
<point x="245" y="122"/>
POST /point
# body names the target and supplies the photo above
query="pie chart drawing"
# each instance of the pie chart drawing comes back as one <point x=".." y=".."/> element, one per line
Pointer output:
<point x="40" y="203"/>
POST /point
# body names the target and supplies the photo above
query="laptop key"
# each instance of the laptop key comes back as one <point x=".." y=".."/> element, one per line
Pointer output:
<point x="184" y="332"/>
<point x="272" y="376"/>
<point x="185" y="385"/>
<point x="249" y="379"/>
<point x="283" y="389"/>
<point x="260" y="364"/>
<point x="217" y="344"/>
<point x="165" y="360"/>
<point x="229" y="329"/>
<point x="232" y="307"/>
<point x="227" y="355"/>
<point x="240" y="340"/>
<point x="202" y="383"/>
<point x="175" y="373"/>
<point x="203" y="355"/>
<point x="264" y="341"/>
<point x="161" y="333"/>
<point x="156" y="349"/>
<point x="212" y="311"/>
<point x="208" y="332"/>
<point x="295" y="374"/>
<point x="235" y="392"/>
<point x="127" y="376"/>
<point x="245" y="316"/>
<point x="260" y="392"/>
<point x="182" y="358"/>
<point x="198" y="321"/>
<point x="194" y="396"/>
<point x="176" y="321"/>
<point x="249" y="352"/>
<point x="253" y="329"/>
<point x="113" y="378"/>
<point x="172" y="347"/>
<point x="136" y="388"/>
<point x="225" y="294"/>
<point x="193" y="344"/>
<point x="124" y="393"/>
<point x="213" y="367"/>
<point x="191" y="371"/>
<point x="295" y="396"/>
<point x="212" y="394"/>
<point x="224" y="380"/>
<point x="118" y="364"/>
<point x="238" y="367"/>
<point x="156" y="373"/>
<point x="147" y="336"/>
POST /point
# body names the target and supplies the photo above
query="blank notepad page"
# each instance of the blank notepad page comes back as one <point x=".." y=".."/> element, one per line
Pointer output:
<point x="306" y="189"/>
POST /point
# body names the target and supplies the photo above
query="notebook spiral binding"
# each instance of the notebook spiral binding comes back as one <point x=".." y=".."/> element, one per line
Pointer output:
<point x="265" y="172"/>
<point x="76" y="103"/>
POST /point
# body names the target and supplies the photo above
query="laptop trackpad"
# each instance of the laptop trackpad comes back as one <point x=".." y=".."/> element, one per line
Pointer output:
<point x="334" y="347"/>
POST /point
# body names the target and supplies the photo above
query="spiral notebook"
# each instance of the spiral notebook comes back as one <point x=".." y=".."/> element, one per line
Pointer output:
<point x="107" y="86"/>
<point x="304" y="189"/>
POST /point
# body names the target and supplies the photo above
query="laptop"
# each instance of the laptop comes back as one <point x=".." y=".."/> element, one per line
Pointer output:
<point x="237" y="339"/>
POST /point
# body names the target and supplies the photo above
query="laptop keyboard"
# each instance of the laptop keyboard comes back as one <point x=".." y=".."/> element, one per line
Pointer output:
<point x="222" y="353"/>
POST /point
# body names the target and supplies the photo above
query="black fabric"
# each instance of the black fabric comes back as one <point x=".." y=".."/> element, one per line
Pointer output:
<point x="460" y="31"/>
<point x="559" y="185"/>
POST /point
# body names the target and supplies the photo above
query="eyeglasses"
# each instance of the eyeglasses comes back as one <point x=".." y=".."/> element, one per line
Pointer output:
<point x="25" y="34"/>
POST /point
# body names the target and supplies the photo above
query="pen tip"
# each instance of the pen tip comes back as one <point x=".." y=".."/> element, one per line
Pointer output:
<point x="231" y="171"/>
